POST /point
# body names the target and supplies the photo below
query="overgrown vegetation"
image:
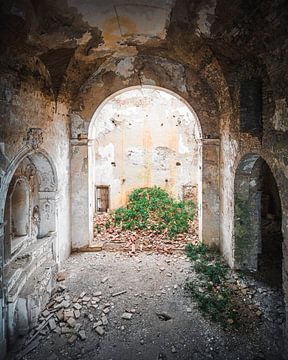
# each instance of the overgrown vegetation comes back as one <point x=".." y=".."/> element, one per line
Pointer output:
<point x="153" y="209"/>
<point x="211" y="291"/>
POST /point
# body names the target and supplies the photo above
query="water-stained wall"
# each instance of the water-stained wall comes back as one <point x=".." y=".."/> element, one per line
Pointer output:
<point x="145" y="137"/>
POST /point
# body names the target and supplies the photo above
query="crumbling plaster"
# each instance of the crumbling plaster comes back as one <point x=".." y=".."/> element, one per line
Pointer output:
<point x="201" y="50"/>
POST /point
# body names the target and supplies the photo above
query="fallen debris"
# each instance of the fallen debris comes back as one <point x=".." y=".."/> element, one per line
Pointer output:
<point x="119" y="293"/>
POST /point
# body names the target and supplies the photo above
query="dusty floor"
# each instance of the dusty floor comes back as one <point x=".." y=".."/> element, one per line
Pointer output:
<point x="154" y="285"/>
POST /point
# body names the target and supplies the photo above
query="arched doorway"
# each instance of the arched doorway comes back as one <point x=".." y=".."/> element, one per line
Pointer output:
<point x="257" y="221"/>
<point x="142" y="137"/>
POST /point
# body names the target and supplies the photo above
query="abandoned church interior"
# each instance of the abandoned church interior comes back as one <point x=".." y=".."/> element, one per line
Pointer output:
<point x="99" y="98"/>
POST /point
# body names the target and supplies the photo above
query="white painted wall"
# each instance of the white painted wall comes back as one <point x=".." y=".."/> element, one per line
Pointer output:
<point x="139" y="137"/>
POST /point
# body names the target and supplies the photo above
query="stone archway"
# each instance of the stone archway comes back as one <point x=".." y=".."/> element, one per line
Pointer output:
<point x="143" y="137"/>
<point x="82" y="201"/>
<point x="257" y="220"/>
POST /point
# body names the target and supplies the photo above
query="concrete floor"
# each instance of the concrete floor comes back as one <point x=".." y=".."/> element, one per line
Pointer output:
<point x="154" y="285"/>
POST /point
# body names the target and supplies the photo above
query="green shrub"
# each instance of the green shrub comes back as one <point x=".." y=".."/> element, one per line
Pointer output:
<point x="155" y="210"/>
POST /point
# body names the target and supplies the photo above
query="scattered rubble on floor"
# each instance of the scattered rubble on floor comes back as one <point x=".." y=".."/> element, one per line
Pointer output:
<point x="113" y="238"/>
<point x="127" y="309"/>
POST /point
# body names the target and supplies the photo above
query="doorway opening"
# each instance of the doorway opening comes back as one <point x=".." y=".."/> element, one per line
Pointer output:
<point x="258" y="221"/>
<point x="140" y="138"/>
<point x="102" y="199"/>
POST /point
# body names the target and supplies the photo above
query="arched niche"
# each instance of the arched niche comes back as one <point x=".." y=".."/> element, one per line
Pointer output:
<point x="20" y="204"/>
<point x="29" y="208"/>
<point x="257" y="220"/>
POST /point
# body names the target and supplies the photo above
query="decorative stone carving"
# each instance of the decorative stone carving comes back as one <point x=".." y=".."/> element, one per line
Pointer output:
<point x="35" y="222"/>
<point x="34" y="138"/>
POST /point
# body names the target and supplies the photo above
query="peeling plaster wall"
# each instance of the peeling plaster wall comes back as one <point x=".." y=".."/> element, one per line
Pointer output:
<point x="145" y="137"/>
<point x="28" y="107"/>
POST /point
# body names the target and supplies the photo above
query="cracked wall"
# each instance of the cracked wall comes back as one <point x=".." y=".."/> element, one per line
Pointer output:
<point x="145" y="138"/>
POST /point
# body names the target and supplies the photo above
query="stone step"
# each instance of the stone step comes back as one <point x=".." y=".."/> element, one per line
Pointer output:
<point x="26" y="263"/>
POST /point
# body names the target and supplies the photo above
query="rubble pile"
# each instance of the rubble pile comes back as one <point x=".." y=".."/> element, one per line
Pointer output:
<point x="113" y="238"/>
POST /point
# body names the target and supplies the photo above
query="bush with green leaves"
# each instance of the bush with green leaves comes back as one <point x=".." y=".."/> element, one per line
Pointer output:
<point x="210" y="289"/>
<point x="155" y="210"/>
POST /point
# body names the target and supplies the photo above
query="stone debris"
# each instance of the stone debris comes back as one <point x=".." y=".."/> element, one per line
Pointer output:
<point x="77" y="306"/>
<point x="72" y="339"/>
<point x="71" y="322"/>
<point x="86" y="298"/>
<point x="163" y="316"/>
<point x="104" y="280"/>
<point x="83" y="293"/>
<point x="119" y="293"/>
<point x="104" y="320"/>
<point x="68" y="314"/>
<point x="90" y="317"/>
<point x="100" y="331"/>
<point x="60" y="314"/>
<point x="82" y="335"/>
<point x="45" y="313"/>
<point x="52" y="324"/>
<point x="66" y="330"/>
<point x="127" y="316"/>
<point x="77" y="314"/>
<point x="60" y="277"/>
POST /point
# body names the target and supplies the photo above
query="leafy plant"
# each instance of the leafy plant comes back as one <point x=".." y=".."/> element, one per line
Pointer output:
<point x="210" y="290"/>
<point x="155" y="210"/>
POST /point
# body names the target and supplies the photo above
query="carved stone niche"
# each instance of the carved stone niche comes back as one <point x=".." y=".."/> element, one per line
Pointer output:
<point x="34" y="138"/>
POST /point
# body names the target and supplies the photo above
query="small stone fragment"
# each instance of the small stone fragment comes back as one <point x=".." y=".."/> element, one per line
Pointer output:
<point x="61" y="276"/>
<point x="100" y="331"/>
<point x="173" y="349"/>
<point x="90" y="317"/>
<point x="104" y="280"/>
<point x="45" y="313"/>
<point x="77" y="306"/>
<point x="83" y="293"/>
<point x="52" y="324"/>
<point x="72" y="338"/>
<point x="189" y="310"/>
<point x="71" y="322"/>
<point x="60" y="314"/>
<point x="66" y="330"/>
<point x="77" y="314"/>
<point x="104" y="320"/>
<point x="68" y="314"/>
<point x="82" y="335"/>
<point x="126" y="316"/>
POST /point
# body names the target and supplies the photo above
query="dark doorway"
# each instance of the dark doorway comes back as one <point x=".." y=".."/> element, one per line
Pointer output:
<point x="270" y="252"/>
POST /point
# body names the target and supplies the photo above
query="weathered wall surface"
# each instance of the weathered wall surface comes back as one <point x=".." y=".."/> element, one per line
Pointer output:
<point x="145" y="137"/>
<point x="81" y="52"/>
<point x="25" y="104"/>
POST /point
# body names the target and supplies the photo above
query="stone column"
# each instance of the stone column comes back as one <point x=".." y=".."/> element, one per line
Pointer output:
<point x="81" y="217"/>
<point x="209" y="224"/>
